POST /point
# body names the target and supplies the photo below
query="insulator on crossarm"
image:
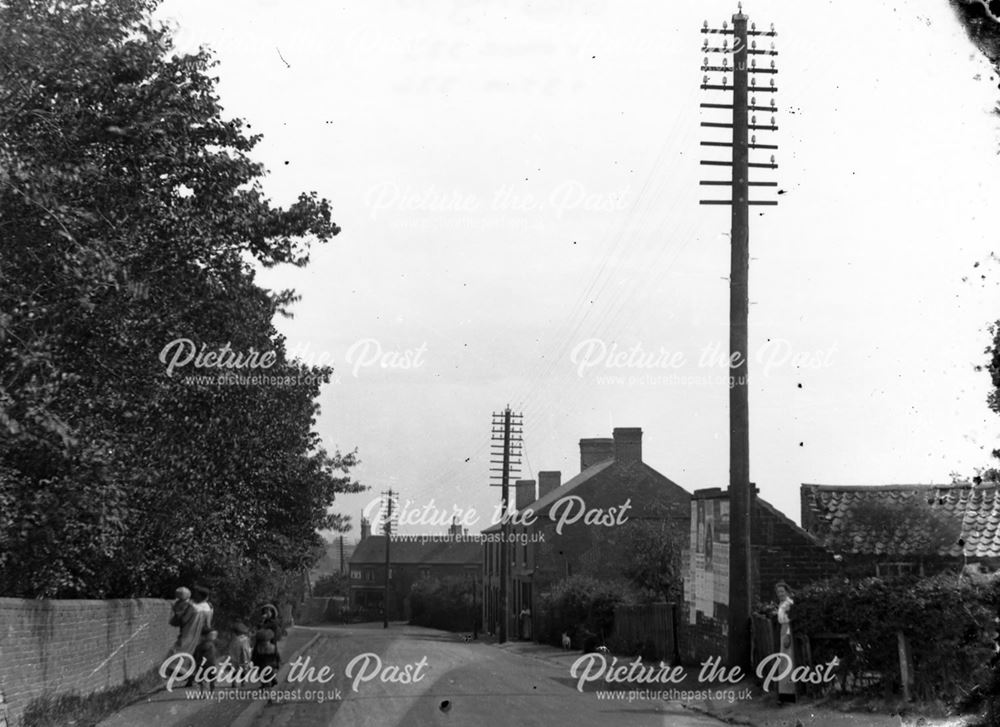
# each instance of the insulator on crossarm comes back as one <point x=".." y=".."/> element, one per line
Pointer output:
<point x="753" y="119"/>
<point x="753" y="62"/>
<point x="725" y="45"/>
<point x="753" y="26"/>
<point x="725" y="62"/>
<point x="753" y="100"/>
<point x="705" y="25"/>
<point x="753" y="45"/>
<point x="772" y="64"/>
<point x="725" y="25"/>
<point x="705" y="62"/>
<point x="772" y="159"/>
<point x="753" y="82"/>
<point x="772" y="122"/>
<point x="704" y="80"/>
<point x="753" y="139"/>
<point x="773" y="104"/>
<point x="772" y="27"/>
<point x="704" y="42"/>
<point x="724" y="81"/>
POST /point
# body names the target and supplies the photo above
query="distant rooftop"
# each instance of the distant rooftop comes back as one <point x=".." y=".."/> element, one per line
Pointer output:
<point x="973" y="508"/>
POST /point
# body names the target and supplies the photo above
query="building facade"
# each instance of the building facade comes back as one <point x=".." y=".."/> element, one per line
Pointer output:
<point x="570" y="528"/>
<point x="455" y="555"/>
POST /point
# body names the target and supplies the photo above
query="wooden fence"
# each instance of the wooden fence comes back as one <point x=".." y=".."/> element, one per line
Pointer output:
<point x="649" y="630"/>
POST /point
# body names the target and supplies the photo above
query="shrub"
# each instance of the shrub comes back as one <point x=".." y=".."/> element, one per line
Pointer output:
<point x="445" y="604"/>
<point x="335" y="584"/>
<point x="948" y="623"/>
<point x="583" y="607"/>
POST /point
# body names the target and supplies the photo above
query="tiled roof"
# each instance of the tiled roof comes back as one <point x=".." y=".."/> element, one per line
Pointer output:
<point x="974" y="510"/>
<point x="467" y="551"/>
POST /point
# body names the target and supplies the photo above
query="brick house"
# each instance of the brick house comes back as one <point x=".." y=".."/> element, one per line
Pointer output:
<point x="410" y="560"/>
<point x="780" y="551"/>
<point x="961" y="524"/>
<point x="612" y="475"/>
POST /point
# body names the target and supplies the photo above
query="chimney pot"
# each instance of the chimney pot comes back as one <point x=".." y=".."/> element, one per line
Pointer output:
<point x="525" y="494"/>
<point x="594" y="451"/>
<point x="547" y="482"/>
<point x="628" y="445"/>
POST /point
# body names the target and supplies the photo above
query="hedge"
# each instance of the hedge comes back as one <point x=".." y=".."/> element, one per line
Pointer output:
<point x="948" y="622"/>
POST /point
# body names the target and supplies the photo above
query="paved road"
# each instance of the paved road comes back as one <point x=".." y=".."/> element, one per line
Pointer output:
<point x="460" y="684"/>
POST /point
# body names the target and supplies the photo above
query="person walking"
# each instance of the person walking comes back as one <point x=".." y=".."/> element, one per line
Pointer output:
<point x="193" y="621"/>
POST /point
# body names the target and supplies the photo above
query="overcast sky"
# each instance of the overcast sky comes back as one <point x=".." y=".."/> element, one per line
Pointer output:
<point x="518" y="189"/>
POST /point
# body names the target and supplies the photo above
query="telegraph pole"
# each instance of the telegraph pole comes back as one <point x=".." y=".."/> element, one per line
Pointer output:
<point x="741" y="491"/>
<point x="507" y="430"/>
<point x="388" y="501"/>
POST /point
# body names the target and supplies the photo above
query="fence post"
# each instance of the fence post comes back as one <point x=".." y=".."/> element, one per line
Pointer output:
<point x="905" y="665"/>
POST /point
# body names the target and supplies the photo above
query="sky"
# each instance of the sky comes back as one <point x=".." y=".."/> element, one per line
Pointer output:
<point x="517" y="185"/>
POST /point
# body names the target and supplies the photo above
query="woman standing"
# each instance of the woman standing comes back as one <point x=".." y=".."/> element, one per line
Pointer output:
<point x="786" y="687"/>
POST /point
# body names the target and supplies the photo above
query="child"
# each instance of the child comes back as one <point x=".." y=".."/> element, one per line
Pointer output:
<point x="240" y="650"/>
<point x="270" y="620"/>
<point x="265" y="654"/>
<point x="206" y="655"/>
<point x="183" y="596"/>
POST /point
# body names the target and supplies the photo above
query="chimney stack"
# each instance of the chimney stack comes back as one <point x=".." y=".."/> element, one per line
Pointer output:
<point x="525" y="494"/>
<point x="593" y="451"/>
<point x="366" y="528"/>
<point x="547" y="482"/>
<point x="628" y="445"/>
<point x="455" y="530"/>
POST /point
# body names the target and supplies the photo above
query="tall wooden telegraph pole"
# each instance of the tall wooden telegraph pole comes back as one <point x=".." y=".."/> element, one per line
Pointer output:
<point x="717" y="50"/>
<point x="389" y="508"/>
<point x="506" y="450"/>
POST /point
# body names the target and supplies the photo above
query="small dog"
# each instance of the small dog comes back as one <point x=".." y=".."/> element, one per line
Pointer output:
<point x="467" y="638"/>
<point x="566" y="641"/>
<point x="603" y="650"/>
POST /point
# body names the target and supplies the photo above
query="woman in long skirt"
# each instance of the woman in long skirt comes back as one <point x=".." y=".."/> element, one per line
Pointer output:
<point x="786" y="687"/>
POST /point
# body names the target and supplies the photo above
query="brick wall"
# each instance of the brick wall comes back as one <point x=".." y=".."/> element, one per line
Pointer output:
<point x="781" y="551"/>
<point x="784" y="552"/>
<point x="54" y="647"/>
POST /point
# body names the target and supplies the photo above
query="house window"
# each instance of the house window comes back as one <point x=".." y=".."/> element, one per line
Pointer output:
<point x="369" y="574"/>
<point x="425" y="572"/>
<point x="355" y="575"/>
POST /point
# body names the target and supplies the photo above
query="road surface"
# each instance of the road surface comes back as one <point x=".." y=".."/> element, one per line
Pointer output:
<point x="452" y="683"/>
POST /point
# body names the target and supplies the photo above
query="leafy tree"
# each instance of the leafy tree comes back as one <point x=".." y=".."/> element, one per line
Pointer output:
<point x="992" y="367"/>
<point x="646" y="551"/>
<point x="131" y="216"/>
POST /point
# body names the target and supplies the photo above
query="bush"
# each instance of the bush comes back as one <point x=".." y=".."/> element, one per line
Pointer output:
<point x="584" y="608"/>
<point x="445" y="604"/>
<point x="335" y="584"/>
<point x="948" y="623"/>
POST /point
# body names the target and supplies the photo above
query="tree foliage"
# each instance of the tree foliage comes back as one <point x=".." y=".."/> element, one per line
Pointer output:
<point x="131" y="215"/>
<point x="645" y="551"/>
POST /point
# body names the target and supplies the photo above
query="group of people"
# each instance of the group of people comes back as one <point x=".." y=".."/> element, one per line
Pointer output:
<point x="192" y="614"/>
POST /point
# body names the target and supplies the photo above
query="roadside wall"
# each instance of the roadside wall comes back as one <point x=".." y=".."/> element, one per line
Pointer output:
<point x="55" y="647"/>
